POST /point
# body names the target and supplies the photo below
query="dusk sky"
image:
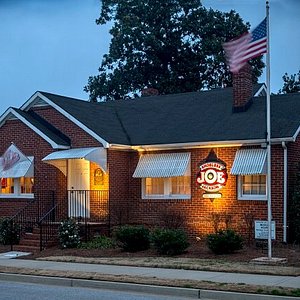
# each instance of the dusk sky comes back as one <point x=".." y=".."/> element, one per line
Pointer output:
<point x="55" y="45"/>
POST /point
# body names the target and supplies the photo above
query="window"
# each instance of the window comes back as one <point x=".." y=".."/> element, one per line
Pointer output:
<point x="164" y="188"/>
<point x="167" y="187"/>
<point x="252" y="187"/>
<point x="17" y="187"/>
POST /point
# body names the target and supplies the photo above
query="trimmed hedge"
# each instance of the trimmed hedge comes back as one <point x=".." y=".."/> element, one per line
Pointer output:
<point x="224" y="241"/>
<point x="9" y="232"/>
<point x="133" y="238"/>
<point x="169" y="241"/>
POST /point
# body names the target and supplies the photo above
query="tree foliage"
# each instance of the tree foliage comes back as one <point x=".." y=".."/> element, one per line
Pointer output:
<point x="172" y="45"/>
<point x="291" y="83"/>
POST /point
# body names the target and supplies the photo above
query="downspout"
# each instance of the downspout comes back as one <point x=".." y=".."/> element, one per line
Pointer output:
<point x="285" y="173"/>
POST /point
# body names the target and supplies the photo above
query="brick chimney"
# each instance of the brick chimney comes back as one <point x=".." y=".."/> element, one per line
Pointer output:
<point x="242" y="89"/>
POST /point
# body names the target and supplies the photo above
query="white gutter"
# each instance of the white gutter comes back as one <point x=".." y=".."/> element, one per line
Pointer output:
<point x="285" y="174"/>
<point x="215" y="144"/>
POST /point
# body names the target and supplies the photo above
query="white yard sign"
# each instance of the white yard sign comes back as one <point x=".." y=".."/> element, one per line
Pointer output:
<point x="261" y="230"/>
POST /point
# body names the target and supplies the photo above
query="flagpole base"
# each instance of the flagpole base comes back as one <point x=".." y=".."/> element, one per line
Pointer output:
<point x="269" y="261"/>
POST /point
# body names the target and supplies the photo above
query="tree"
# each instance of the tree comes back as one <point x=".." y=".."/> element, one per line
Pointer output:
<point x="172" y="45"/>
<point x="291" y="83"/>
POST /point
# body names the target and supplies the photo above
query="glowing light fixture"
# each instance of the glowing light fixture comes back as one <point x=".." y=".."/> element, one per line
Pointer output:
<point x="212" y="196"/>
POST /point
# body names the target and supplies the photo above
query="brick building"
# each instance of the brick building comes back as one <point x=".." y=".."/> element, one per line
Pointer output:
<point x="193" y="156"/>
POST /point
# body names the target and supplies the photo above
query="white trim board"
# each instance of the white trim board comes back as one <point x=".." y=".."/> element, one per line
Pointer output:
<point x="28" y="104"/>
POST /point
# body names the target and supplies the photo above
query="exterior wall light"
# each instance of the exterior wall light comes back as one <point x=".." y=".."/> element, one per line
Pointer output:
<point x="212" y="196"/>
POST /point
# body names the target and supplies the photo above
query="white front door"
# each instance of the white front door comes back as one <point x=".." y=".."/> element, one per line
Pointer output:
<point x="79" y="186"/>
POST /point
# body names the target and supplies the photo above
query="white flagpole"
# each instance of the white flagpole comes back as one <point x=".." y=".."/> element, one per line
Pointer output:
<point x="269" y="140"/>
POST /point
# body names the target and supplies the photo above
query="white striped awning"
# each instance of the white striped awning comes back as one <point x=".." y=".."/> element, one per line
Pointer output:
<point x="59" y="159"/>
<point x="250" y="161"/>
<point x="23" y="168"/>
<point x="162" y="165"/>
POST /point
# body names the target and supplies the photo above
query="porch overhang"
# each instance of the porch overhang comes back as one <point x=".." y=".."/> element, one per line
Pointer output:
<point x="59" y="159"/>
<point x="249" y="162"/>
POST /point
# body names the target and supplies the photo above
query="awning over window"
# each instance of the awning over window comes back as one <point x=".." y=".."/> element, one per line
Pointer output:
<point x="59" y="158"/>
<point x="162" y="165"/>
<point x="21" y="169"/>
<point x="250" y="161"/>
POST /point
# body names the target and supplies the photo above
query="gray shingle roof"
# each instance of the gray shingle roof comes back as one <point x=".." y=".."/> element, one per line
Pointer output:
<point x="204" y="116"/>
<point x="45" y="128"/>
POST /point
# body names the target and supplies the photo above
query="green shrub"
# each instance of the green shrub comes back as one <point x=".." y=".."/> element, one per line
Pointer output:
<point x="169" y="241"/>
<point x="99" y="242"/>
<point x="132" y="238"/>
<point x="224" y="241"/>
<point x="9" y="232"/>
<point x="68" y="233"/>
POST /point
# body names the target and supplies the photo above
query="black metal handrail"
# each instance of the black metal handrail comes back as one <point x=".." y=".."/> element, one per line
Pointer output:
<point x="48" y="227"/>
<point x="27" y="217"/>
<point x="21" y="222"/>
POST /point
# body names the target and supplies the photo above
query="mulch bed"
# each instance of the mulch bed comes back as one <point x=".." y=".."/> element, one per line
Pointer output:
<point x="196" y="250"/>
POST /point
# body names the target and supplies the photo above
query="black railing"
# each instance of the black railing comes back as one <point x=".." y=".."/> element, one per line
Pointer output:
<point x="22" y="221"/>
<point x="48" y="226"/>
<point x="26" y="218"/>
<point x="88" y="208"/>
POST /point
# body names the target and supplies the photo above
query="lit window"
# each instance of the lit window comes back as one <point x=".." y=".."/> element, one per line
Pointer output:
<point x="154" y="186"/>
<point x="252" y="187"/>
<point x="26" y="185"/>
<point x="181" y="185"/>
<point x="168" y="187"/>
<point x="17" y="187"/>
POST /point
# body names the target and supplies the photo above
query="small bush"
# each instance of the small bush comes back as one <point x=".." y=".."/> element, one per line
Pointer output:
<point x="9" y="232"/>
<point x="133" y="238"/>
<point x="224" y="241"/>
<point x="99" y="242"/>
<point x="169" y="241"/>
<point x="68" y="233"/>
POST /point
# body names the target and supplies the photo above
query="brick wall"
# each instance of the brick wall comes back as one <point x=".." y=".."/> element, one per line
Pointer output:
<point x="47" y="178"/>
<point x="78" y="137"/>
<point x="197" y="211"/>
<point x="121" y="206"/>
<point x="126" y="205"/>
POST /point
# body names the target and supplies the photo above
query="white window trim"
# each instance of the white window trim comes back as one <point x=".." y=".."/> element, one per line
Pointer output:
<point x="16" y="196"/>
<point x="248" y="197"/>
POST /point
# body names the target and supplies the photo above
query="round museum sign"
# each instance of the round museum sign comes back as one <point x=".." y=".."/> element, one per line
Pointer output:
<point x="212" y="176"/>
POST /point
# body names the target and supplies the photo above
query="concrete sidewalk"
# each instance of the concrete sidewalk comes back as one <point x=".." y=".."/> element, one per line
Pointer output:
<point x="161" y="273"/>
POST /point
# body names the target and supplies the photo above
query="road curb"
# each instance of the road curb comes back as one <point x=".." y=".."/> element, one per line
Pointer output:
<point x="108" y="285"/>
<point x="216" y="295"/>
<point x="138" y="288"/>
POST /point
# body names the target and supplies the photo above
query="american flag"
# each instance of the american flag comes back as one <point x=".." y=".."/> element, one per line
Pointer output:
<point x="247" y="46"/>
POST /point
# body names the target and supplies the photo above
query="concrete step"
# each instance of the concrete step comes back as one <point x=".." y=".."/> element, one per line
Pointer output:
<point x="31" y="236"/>
<point x="31" y="249"/>
<point x="25" y="242"/>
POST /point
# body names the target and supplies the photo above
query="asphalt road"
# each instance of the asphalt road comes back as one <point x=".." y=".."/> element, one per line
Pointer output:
<point x="28" y="291"/>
